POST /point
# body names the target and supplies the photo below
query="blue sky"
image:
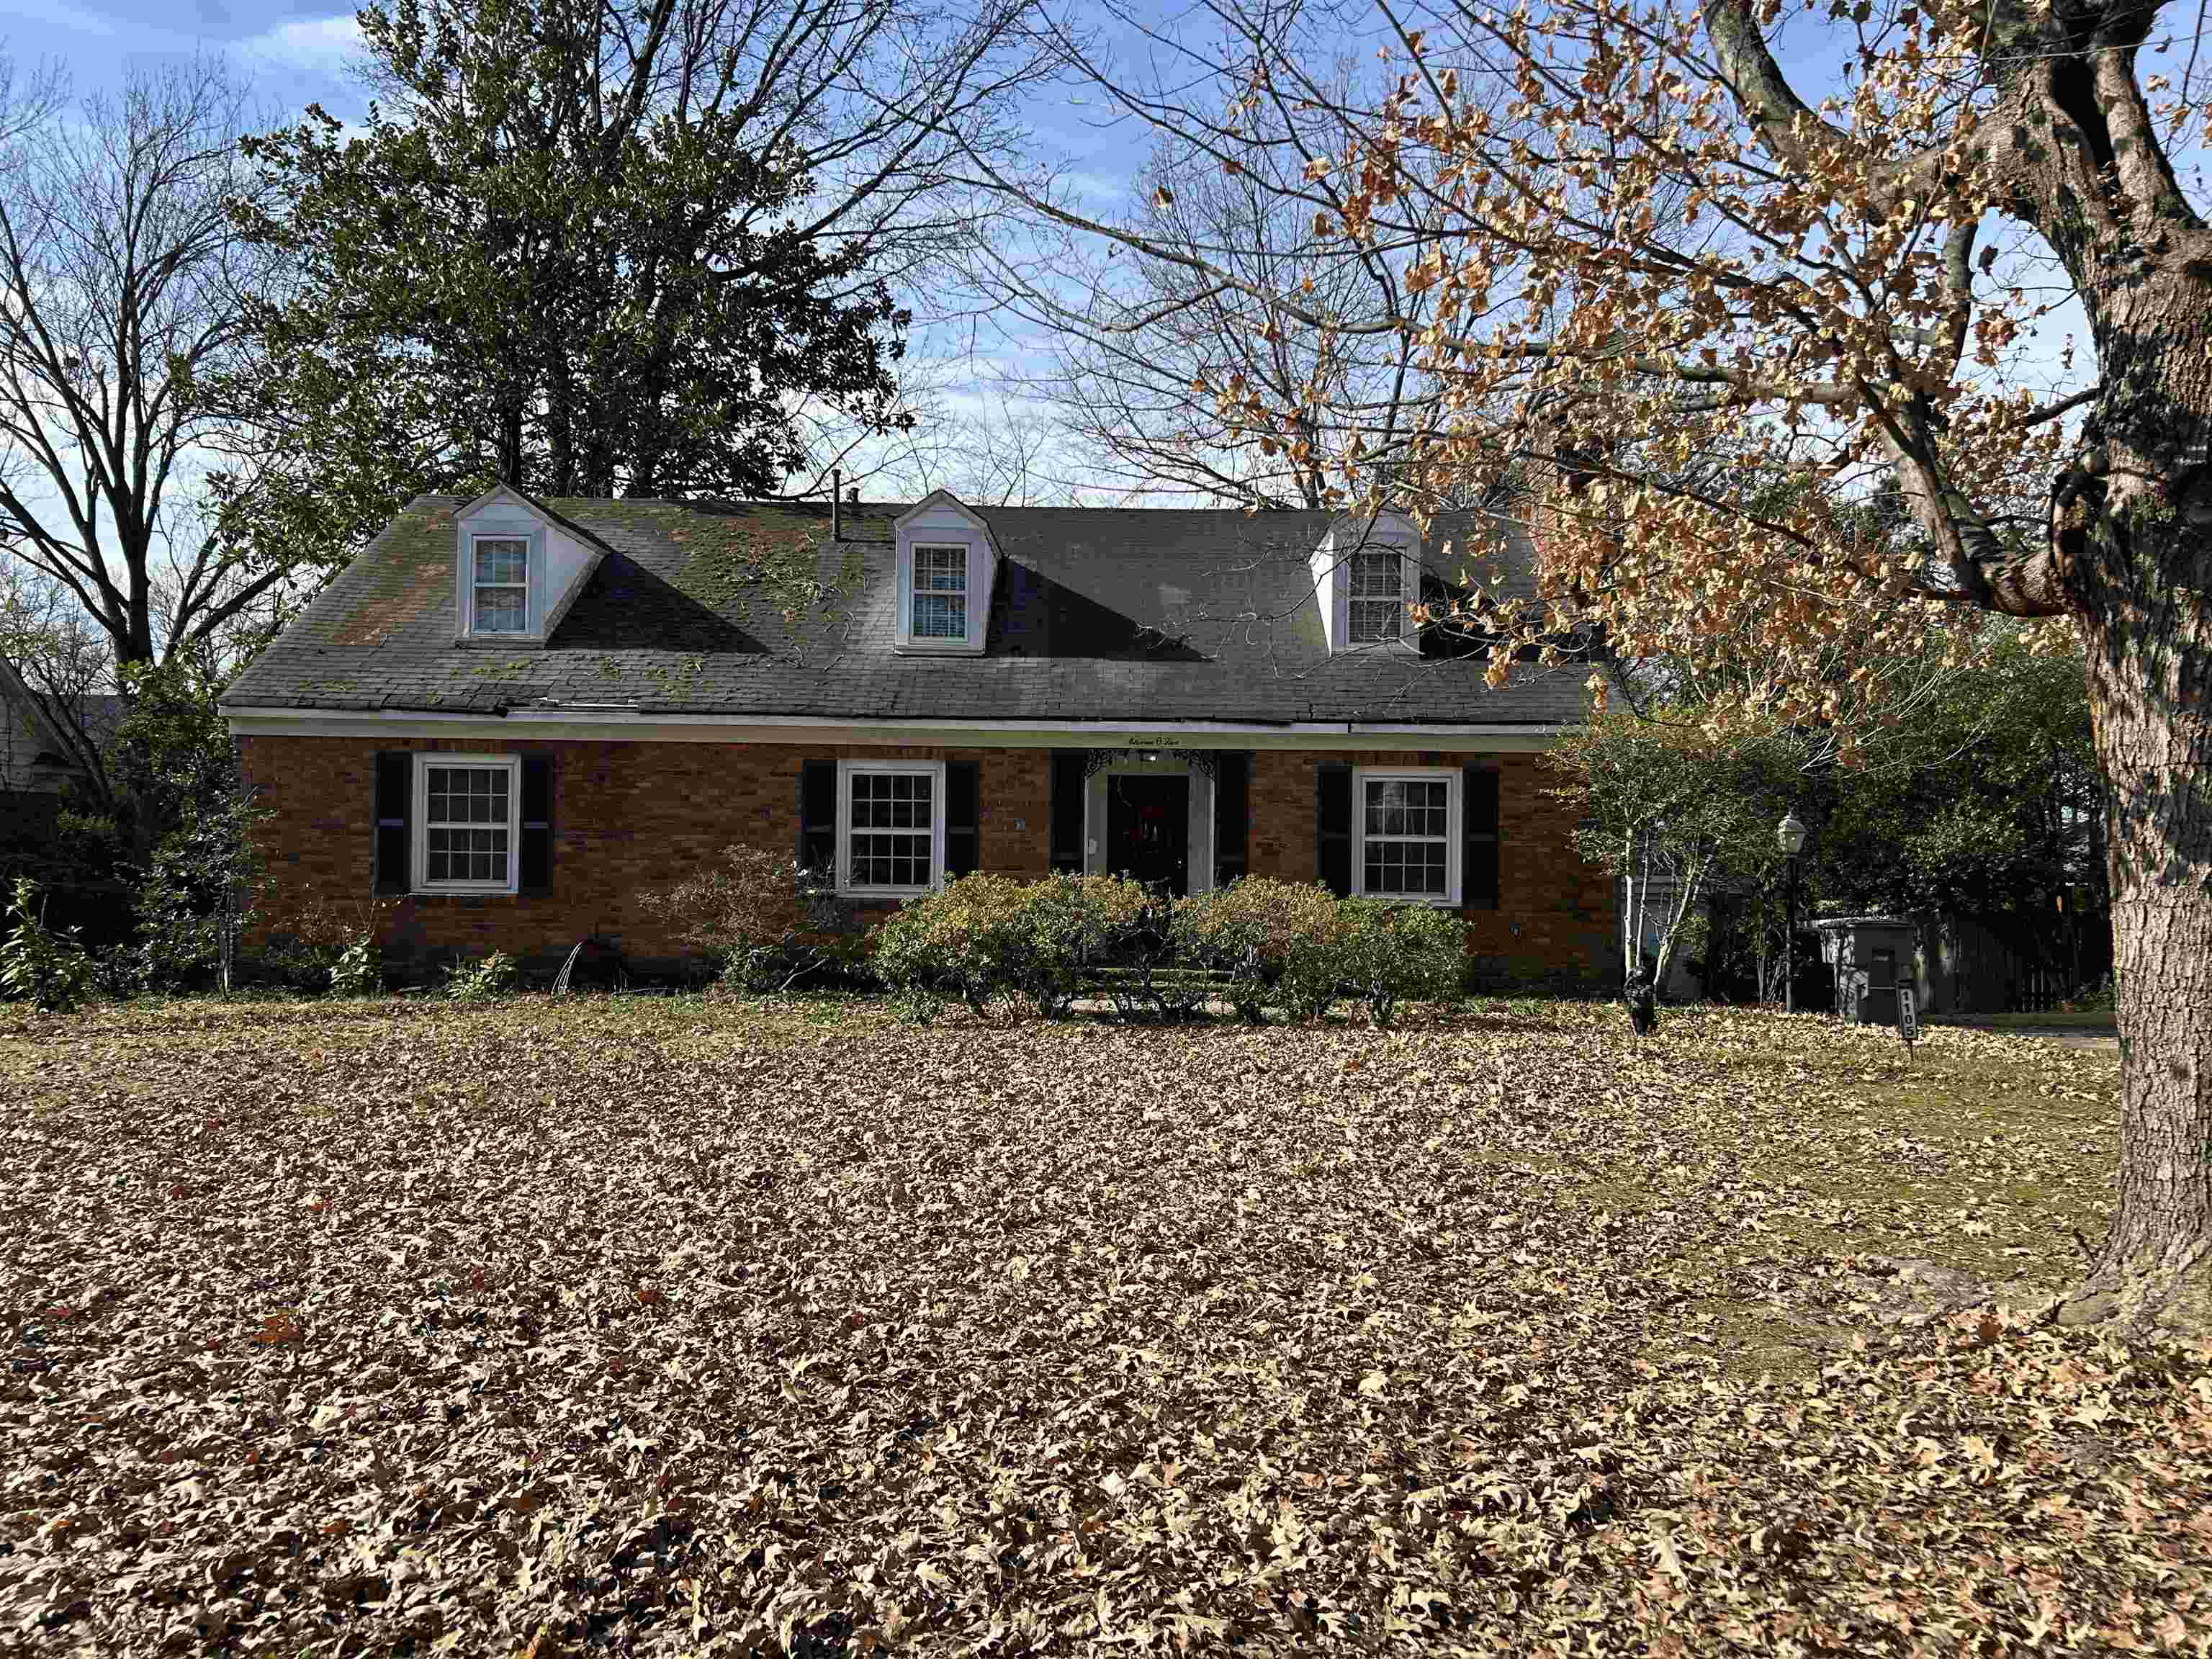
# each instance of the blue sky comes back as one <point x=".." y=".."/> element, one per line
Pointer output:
<point x="296" y="53"/>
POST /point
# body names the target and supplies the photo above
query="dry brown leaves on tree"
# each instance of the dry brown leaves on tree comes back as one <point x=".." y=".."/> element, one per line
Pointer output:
<point x="684" y="1327"/>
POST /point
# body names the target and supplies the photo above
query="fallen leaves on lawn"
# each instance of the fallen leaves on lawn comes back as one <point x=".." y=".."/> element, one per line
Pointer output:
<point x="678" y="1327"/>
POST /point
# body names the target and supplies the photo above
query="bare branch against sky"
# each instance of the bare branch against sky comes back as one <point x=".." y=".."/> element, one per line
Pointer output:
<point x="119" y="277"/>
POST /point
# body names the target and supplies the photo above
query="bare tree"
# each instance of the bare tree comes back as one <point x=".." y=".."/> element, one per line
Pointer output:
<point x="1135" y="341"/>
<point x="119" y="282"/>
<point x="1200" y="280"/>
<point x="995" y="452"/>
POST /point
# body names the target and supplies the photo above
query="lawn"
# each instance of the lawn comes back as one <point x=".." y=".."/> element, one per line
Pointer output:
<point x="673" y="1325"/>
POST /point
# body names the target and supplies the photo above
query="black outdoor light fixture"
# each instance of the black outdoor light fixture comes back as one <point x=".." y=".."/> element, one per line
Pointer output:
<point x="1790" y="833"/>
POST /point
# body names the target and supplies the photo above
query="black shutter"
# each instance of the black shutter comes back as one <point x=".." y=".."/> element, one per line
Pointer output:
<point x="536" y="873"/>
<point x="395" y="796"/>
<point x="1065" y="844"/>
<point x="1479" y="865"/>
<point x="817" y="815"/>
<point x="1231" y="817"/>
<point x="963" y="831"/>
<point x="1333" y="827"/>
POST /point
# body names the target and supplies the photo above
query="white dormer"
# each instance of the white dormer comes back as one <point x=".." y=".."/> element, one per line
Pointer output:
<point x="1367" y="575"/>
<point x="948" y="568"/>
<point x="518" y="566"/>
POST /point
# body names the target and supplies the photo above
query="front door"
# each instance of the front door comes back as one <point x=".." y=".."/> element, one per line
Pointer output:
<point x="1879" y="1007"/>
<point x="1148" y="828"/>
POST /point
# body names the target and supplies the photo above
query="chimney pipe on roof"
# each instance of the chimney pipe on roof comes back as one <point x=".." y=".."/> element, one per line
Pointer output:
<point x="836" y="503"/>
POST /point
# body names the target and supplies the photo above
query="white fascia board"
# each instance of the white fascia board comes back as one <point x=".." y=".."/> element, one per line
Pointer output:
<point x="610" y="725"/>
<point x="938" y="501"/>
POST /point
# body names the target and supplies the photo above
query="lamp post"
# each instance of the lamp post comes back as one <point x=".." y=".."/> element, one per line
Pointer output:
<point x="1790" y="833"/>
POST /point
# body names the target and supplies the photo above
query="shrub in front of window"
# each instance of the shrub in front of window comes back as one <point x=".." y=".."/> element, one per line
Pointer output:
<point x="1393" y="954"/>
<point x="764" y="921"/>
<point x="985" y="939"/>
<point x="321" y="943"/>
<point x="965" y="944"/>
<point x="1249" y="935"/>
<point x="482" y="980"/>
<point x="988" y="939"/>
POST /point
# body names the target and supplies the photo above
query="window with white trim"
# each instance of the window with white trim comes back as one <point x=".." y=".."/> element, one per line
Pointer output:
<point x="890" y="837"/>
<point x="500" y="585"/>
<point x="1376" y="595"/>
<point x="467" y="812"/>
<point x="941" y="594"/>
<point x="1407" y="826"/>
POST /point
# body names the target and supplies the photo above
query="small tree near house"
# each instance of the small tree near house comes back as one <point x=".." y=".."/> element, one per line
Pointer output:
<point x="202" y="874"/>
<point x="1668" y="811"/>
<point x="764" y="920"/>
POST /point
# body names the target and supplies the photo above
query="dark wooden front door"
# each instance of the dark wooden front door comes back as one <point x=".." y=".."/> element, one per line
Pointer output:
<point x="1879" y="1007"/>
<point x="1148" y="830"/>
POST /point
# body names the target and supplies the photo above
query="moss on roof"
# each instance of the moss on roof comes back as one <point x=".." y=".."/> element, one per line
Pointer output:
<point x="753" y="607"/>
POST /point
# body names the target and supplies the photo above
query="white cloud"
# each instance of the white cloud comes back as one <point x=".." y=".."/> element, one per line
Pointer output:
<point x="317" y="46"/>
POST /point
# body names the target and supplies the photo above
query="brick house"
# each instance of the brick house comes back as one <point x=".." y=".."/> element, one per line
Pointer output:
<point x="512" y="716"/>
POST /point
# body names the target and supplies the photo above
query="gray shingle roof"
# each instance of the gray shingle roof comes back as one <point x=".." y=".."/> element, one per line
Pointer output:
<point x="752" y="609"/>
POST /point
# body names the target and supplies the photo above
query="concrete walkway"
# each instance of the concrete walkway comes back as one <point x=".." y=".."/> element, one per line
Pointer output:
<point x="2106" y="1037"/>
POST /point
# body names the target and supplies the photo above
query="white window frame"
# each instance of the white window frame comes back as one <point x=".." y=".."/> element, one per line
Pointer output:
<point x="1455" y="829"/>
<point x="914" y="590"/>
<point x="847" y="770"/>
<point x="533" y="551"/>
<point x="421" y="833"/>
<point x="1378" y="549"/>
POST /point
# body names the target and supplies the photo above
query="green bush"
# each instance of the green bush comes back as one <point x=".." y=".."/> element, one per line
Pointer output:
<point x="482" y="981"/>
<point x="1069" y="924"/>
<point x="1135" y="944"/>
<point x="201" y="894"/>
<point x="358" y="970"/>
<point x="964" y="943"/>
<point x="47" y="966"/>
<point x="1259" y="939"/>
<point x="316" y="942"/>
<point x="988" y="938"/>
<point x="1393" y="954"/>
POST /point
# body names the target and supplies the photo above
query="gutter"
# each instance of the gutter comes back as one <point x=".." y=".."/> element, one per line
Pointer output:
<point x="622" y="723"/>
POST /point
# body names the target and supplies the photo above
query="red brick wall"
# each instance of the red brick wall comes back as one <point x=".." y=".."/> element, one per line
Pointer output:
<point x="1555" y="914"/>
<point x="632" y="816"/>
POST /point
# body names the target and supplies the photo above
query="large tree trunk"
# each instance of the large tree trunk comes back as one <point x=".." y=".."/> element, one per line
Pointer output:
<point x="2146" y="566"/>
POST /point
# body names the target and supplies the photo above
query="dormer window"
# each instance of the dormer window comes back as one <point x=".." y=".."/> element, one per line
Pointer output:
<point x="1378" y="596"/>
<point x="501" y="598"/>
<point x="518" y="564"/>
<point x="941" y="594"/>
<point x="948" y="568"/>
<point x="1367" y="574"/>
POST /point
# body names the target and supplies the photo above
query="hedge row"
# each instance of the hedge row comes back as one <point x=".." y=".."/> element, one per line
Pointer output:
<point x="988" y="939"/>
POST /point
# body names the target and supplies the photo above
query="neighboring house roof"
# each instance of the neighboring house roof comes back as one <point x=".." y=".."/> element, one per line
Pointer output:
<point x="752" y="609"/>
<point x="99" y="714"/>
